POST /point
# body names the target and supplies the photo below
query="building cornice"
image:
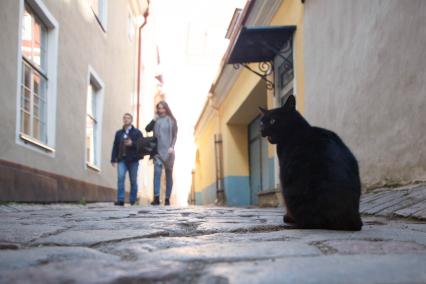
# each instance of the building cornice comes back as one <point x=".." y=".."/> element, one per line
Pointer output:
<point x="263" y="12"/>
<point x="205" y="116"/>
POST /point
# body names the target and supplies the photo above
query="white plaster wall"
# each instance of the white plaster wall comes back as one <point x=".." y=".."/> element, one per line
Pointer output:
<point x="81" y="43"/>
<point x="365" y="78"/>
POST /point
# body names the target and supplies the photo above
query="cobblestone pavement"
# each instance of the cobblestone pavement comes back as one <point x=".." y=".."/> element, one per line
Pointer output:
<point x="100" y="243"/>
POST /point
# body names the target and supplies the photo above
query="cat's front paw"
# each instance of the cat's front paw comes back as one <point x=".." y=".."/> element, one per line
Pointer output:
<point x="288" y="219"/>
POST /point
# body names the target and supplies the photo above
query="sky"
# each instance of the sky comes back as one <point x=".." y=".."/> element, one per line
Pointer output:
<point x="191" y="39"/>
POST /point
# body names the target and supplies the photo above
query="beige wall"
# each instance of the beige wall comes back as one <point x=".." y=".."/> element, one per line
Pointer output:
<point x="365" y="70"/>
<point x="81" y="43"/>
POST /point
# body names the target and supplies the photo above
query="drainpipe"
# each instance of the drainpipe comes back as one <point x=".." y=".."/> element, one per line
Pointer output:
<point x="138" y="80"/>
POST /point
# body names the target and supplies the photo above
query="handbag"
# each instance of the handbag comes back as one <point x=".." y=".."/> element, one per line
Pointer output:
<point x="147" y="146"/>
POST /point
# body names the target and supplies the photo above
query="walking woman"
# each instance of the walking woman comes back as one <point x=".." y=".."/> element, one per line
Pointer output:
<point x="165" y="129"/>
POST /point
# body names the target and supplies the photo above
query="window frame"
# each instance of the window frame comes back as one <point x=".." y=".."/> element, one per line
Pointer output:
<point x="94" y="79"/>
<point x="47" y="72"/>
<point x="101" y="14"/>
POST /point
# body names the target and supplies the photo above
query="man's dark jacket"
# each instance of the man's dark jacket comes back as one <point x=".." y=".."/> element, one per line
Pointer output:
<point x="131" y="152"/>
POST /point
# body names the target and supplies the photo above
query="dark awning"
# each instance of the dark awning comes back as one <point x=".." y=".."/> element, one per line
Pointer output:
<point x="259" y="44"/>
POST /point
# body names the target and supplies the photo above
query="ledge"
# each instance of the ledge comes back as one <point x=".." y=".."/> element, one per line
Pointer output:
<point x="35" y="142"/>
<point x="93" y="167"/>
<point x="268" y="192"/>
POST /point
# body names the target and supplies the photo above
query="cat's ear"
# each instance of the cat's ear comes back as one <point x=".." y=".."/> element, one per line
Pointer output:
<point x="262" y="110"/>
<point x="290" y="103"/>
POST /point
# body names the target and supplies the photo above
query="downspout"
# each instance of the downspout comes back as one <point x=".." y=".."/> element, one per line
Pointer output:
<point x="138" y="80"/>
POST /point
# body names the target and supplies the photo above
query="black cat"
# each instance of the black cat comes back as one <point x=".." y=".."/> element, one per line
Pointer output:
<point x="319" y="174"/>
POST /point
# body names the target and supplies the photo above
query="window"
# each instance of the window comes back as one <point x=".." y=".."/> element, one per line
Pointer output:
<point x="99" y="8"/>
<point x="284" y="98"/>
<point x="37" y="75"/>
<point x="34" y="78"/>
<point x="284" y="73"/>
<point x="93" y="123"/>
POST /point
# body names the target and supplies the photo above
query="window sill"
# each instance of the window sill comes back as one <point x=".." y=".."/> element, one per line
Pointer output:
<point x="27" y="139"/>
<point x="93" y="167"/>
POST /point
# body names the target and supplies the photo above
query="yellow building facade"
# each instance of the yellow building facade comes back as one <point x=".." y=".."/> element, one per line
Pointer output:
<point x="235" y="166"/>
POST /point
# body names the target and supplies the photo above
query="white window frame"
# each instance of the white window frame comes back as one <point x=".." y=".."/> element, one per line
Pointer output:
<point x="102" y="17"/>
<point x="51" y="62"/>
<point x="131" y="27"/>
<point x="94" y="79"/>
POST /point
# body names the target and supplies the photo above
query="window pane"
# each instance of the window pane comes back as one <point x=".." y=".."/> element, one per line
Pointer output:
<point x="36" y="84"/>
<point x="94" y="96"/>
<point x="90" y="100"/>
<point x="25" y="122"/>
<point x="37" y="44"/>
<point x="36" y="129"/>
<point x="90" y="141"/>
<point x="26" y="99"/>
<point x="36" y="110"/>
<point x="27" y="76"/>
<point x="27" y="34"/>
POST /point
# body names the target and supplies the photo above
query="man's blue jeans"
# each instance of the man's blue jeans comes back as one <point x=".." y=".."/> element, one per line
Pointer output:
<point x="158" y="168"/>
<point x="132" y="168"/>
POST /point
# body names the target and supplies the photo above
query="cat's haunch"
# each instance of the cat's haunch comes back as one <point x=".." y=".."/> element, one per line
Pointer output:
<point x="319" y="174"/>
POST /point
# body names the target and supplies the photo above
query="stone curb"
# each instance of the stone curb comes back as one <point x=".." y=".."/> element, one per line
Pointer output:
<point x="406" y="202"/>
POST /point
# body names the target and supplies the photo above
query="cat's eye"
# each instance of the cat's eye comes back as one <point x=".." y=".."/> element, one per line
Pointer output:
<point x="272" y="121"/>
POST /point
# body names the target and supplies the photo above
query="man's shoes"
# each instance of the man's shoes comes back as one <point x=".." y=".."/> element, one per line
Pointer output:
<point x="119" y="203"/>
<point x="167" y="202"/>
<point x="132" y="203"/>
<point x="156" y="201"/>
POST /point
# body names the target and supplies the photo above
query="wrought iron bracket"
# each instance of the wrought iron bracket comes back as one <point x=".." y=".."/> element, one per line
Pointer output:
<point x="288" y="63"/>
<point x="264" y="69"/>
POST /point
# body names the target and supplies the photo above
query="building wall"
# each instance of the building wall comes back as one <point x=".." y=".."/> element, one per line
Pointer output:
<point x="236" y="111"/>
<point x="205" y="178"/>
<point x="235" y="134"/>
<point x="365" y="66"/>
<point x="148" y="89"/>
<point x="82" y="43"/>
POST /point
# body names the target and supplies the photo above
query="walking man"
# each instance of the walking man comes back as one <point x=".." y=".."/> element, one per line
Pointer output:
<point x="124" y="154"/>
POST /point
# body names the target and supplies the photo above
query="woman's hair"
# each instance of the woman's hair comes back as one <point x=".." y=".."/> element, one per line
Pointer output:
<point x="167" y="108"/>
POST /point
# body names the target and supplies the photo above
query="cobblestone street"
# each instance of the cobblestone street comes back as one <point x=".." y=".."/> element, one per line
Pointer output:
<point x="100" y="243"/>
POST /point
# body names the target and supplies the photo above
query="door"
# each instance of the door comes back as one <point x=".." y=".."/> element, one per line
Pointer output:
<point x="258" y="161"/>
<point x="255" y="171"/>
